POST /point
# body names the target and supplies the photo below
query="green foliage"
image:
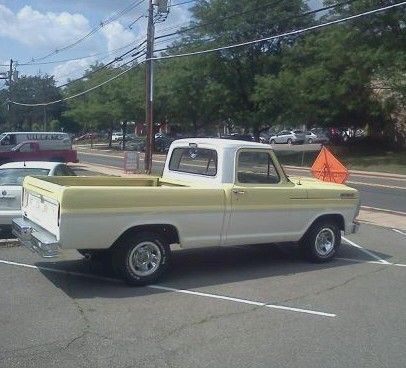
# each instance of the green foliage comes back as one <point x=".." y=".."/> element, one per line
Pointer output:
<point x="31" y="89"/>
<point x="351" y="74"/>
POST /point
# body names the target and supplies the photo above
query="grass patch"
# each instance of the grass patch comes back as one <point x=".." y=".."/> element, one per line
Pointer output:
<point x="388" y="162"/>
<point x="393" y="162"/>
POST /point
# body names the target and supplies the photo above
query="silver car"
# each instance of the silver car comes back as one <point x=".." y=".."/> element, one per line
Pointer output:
<point x="289" y="137"/>
<point x="11" y="181"/>
<point x="312" y="137"/>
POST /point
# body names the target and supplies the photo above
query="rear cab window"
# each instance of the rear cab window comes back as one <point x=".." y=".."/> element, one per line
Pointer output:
<point x="194" y="160"/>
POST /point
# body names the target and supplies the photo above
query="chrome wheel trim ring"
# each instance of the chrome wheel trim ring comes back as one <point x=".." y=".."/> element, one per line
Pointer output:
<point x="145" y="258"/>
<point x="325" y="241"/>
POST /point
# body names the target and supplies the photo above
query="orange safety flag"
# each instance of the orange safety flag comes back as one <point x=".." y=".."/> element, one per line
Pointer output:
<point x="327" y="168"/>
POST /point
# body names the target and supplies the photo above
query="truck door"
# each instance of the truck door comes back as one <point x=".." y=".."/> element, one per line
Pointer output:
<point x="265" y="206"/>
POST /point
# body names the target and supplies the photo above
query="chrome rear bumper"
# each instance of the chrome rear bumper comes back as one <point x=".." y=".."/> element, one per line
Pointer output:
<point x="35" y="238"/>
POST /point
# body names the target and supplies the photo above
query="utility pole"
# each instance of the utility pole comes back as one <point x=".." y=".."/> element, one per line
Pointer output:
<point x="149" y="93"/>
<point x="162" y="11"/>
<point x="45" y="119"/>
<point x="10" y="73"/>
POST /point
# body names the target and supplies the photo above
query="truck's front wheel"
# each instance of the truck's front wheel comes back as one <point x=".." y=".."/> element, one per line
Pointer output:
<point x="321" y="242"/>
<point x="141" y="258"/>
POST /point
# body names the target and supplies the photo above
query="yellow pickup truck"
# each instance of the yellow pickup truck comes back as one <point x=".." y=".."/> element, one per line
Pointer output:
<point x="213" y="192"/>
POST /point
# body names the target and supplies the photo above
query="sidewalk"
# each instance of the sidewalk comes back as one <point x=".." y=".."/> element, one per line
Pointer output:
<point x="161" y="158"/>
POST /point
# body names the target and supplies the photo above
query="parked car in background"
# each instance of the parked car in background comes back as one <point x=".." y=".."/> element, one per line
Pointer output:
<point x="133" y="144"/>
<point x="87" y="136"/>
<point x="289" y="137"/>
<point x="46" y="140"/>
<point x="116" y="136"/>
<point x="239" y="137"/>
<point x="11" y="181"/>
<point x="264" y="137"/>
<point x="312" y="137"/>
<point x="31" y="151"/>
<point x="163" y="143"/>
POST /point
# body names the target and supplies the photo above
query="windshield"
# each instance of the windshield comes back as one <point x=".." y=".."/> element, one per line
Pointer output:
<point x="16" y="176"/>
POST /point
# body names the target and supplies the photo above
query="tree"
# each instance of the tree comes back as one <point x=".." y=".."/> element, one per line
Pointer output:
<point x="107" y="105"/>
<point x="187" y="95"/>
<point x="230" y="22"/>
<point x="32" y="90"/>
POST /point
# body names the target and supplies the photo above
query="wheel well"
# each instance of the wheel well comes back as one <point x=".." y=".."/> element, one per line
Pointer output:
<point x="338" y="219"/>
<point x="169" y="232"/>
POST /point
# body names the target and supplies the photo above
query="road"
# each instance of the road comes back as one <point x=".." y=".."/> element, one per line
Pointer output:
<point x="248" y="306"/>
<point x="379" y="192"/>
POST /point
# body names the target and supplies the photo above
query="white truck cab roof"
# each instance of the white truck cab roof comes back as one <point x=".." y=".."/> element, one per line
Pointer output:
<point x="226" y="150"/>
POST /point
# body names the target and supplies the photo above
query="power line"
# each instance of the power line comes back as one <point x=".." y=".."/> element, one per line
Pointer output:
<point x="182" y="3"/>
<point x="135" y="21"/>
<point x="102" y="24"/>
<point x="85" y="76"/>
<point x="273" y="3"/>
<point x="83" y="92"/>
<point x="107" y="53"/>
<point x="118" y="58"/>
<point x="290" y="33"/>
<point x="310" y="12"/>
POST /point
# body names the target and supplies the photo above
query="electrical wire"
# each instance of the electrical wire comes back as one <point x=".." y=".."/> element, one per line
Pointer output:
<point x="290" y="33"/>
<point x="135" y="21"/>
<point x="107" y="53"/>
<point x="102" y="24"/>
<point x="182" y="3"/>
<point x="118" y="58"/>
<point x="310" y="12"/>
<point x="83" y="92"/>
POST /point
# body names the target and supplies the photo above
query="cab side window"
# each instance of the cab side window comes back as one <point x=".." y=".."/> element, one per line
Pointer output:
<point x="256" y="167"/>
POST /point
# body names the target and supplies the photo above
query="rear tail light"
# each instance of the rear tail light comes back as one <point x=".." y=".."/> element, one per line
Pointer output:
<point x="59" y="214"/>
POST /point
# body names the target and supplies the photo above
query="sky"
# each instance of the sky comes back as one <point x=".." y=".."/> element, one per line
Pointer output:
<point x="31" y="29"/>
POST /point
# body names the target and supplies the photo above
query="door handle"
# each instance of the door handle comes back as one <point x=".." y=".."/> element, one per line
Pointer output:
<point x="238" y="191"/>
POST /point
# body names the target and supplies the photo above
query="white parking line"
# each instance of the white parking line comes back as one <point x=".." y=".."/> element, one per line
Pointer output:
<point x="366" y="251"/>
<point x="181" y="291"/>
<point x="243" y="301"/>
<point x="372" y="262"/>
<point x="399" y="232"/>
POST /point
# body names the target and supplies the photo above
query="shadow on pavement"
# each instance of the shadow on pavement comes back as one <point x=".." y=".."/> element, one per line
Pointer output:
<point x="193" y="269"/>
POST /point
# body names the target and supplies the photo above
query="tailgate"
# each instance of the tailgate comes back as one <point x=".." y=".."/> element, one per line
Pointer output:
<point x="40" y="203"/>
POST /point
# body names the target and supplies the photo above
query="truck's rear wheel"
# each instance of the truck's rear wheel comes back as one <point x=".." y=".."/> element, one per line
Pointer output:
<point x="321" y="242"/>
<point x="141" y="258"/>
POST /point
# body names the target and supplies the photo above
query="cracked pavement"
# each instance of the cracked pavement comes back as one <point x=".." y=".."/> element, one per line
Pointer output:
<point x="50" y="319"/>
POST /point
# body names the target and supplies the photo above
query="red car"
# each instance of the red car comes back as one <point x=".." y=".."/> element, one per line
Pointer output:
<point x="30" y="151"/>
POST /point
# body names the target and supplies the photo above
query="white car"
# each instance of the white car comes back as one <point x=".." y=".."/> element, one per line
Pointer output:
<point x="116" y="137"/>
<point x="11" y="179"/>
<point x="288" y="136"/>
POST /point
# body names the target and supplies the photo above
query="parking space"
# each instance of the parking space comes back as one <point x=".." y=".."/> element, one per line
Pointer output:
<point x="259" y="306"/>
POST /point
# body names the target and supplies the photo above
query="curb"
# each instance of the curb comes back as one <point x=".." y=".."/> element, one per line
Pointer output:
<point x="383" y="210"/>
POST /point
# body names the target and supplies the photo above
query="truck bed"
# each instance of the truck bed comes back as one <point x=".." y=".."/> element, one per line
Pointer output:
<point x="59" y="204"/>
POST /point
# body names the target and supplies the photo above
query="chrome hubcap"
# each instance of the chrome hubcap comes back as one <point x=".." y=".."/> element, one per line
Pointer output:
<point x="325" y="241"/>
<point x="145" y="258"/>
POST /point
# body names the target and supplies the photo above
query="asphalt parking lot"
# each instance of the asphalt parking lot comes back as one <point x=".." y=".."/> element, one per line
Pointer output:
<point x="256" y="306"/>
